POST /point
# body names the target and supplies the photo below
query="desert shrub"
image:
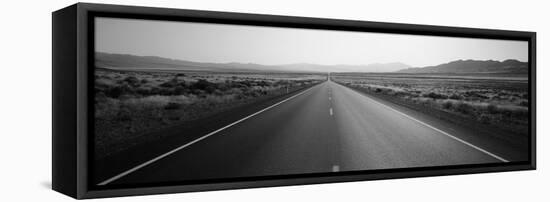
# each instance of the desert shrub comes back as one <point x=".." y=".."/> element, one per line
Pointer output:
<point x="169" y="84"/>
<point x="155" y="91"/>
<point x="235" y="91"/>
<point x="492" y="108"/>
<point x="117" y="91"/>
<point x="237" y="85"/>
<point x="514" y="112"/>
<point x="263" y="83"/>
<point x="198" y="92"/>
<point x="114" y="92"/>
<point x="249" y="93"/>
<point x="172" y="106"/>
<point x="99" y="97"/>
<point x="475" y="95"/>
<point x="240" y="96"/>
<point x="245" y="83"/>
<point x="166" y="91"/>
<point x="143" y="90"/>
<point x="204" y="85"/>
<point x="484" y="118"/>
<point x="126" y="96"/>
<point x="447" y="104"/>
<point x="179" y="90"/>
<point x="464" y="108"/>
<point x="399" y="93"/>
<point x="455" y="97"/>
<point x="223" y="86"/>
<point x="133" y="109"/>
<point x="104" y="83"/>
<point x="124" y="113"/>
<point x="106" y="107"/>
<point x="182" y="84"/>
<point x="378" y="90"/>
<point x="435" y="96"/>
<point x="422" y="101"/>
<point x="132" y="80"/>
<point x="154" y="101"/>
<point x="217" y="92"/>
<point x="212" y="99"/>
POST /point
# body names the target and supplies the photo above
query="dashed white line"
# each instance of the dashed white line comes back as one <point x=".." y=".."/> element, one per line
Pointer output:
<point x="335" y="168"/>
<point x="194" y="141"/>
<point x="330" y="111"/>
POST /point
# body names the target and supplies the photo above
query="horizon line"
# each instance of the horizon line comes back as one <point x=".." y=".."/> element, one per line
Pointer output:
<point x="309" y="63"/>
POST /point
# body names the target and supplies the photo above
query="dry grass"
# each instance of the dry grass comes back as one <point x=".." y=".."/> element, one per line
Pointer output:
<point x="128" y="104"/>
<point x="490" y="101"/>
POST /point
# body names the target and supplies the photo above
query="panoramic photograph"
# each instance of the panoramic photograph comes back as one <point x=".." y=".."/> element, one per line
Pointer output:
<point x="187" y="101"/>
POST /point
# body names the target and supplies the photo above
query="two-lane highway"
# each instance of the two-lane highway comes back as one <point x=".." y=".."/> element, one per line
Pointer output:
<point x="327" y="128"/>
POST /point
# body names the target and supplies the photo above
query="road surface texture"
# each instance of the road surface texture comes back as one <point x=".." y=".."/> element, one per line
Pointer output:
<point x="326" y="128"/>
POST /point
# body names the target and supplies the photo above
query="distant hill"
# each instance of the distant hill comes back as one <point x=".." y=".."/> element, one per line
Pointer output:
<point x="124" y="61"/>
<point x="387" y="67"/>
<point x="375" y="67"/>
<point x="473" y="66"/>
<point x="133" y="62"/>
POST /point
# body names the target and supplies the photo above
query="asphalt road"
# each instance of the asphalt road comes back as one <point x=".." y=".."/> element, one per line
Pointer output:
<point x="327" y="128"/>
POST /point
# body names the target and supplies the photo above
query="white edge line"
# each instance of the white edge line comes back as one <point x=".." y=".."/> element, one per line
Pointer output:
<point x="442" y="132"/>
<point x="193" y="142"/>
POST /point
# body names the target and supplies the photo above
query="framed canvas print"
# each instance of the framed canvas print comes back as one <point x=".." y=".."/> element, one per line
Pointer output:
<point x="154" y="100"/>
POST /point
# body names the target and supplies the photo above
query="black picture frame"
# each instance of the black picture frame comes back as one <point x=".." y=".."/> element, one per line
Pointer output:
<point x="72" y="97"/>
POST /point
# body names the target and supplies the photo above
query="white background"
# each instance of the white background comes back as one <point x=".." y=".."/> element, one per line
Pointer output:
<point x="25" y="108"/>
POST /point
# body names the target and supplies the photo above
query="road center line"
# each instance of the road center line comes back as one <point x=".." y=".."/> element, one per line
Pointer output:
<point x="195" y="141"/>
<point x="436" y="129"/>
<point x="335" y="168"/>
<point x="330" y="111"/>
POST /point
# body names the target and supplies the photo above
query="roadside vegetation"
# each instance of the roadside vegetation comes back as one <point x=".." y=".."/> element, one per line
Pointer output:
<point x="495" y="101"/>
<point x="129" y="103"/>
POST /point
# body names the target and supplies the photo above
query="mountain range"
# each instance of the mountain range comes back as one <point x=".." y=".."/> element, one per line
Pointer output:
<point x="125" y="61"/>
<point x="473" y="66"/>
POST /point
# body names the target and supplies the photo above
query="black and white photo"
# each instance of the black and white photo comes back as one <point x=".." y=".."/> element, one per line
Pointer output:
<point x="157" y="100"/>
<point x="184" y="101"/>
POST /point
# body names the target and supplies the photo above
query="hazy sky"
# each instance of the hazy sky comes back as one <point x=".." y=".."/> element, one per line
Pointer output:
<point x="203" y="42"/>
